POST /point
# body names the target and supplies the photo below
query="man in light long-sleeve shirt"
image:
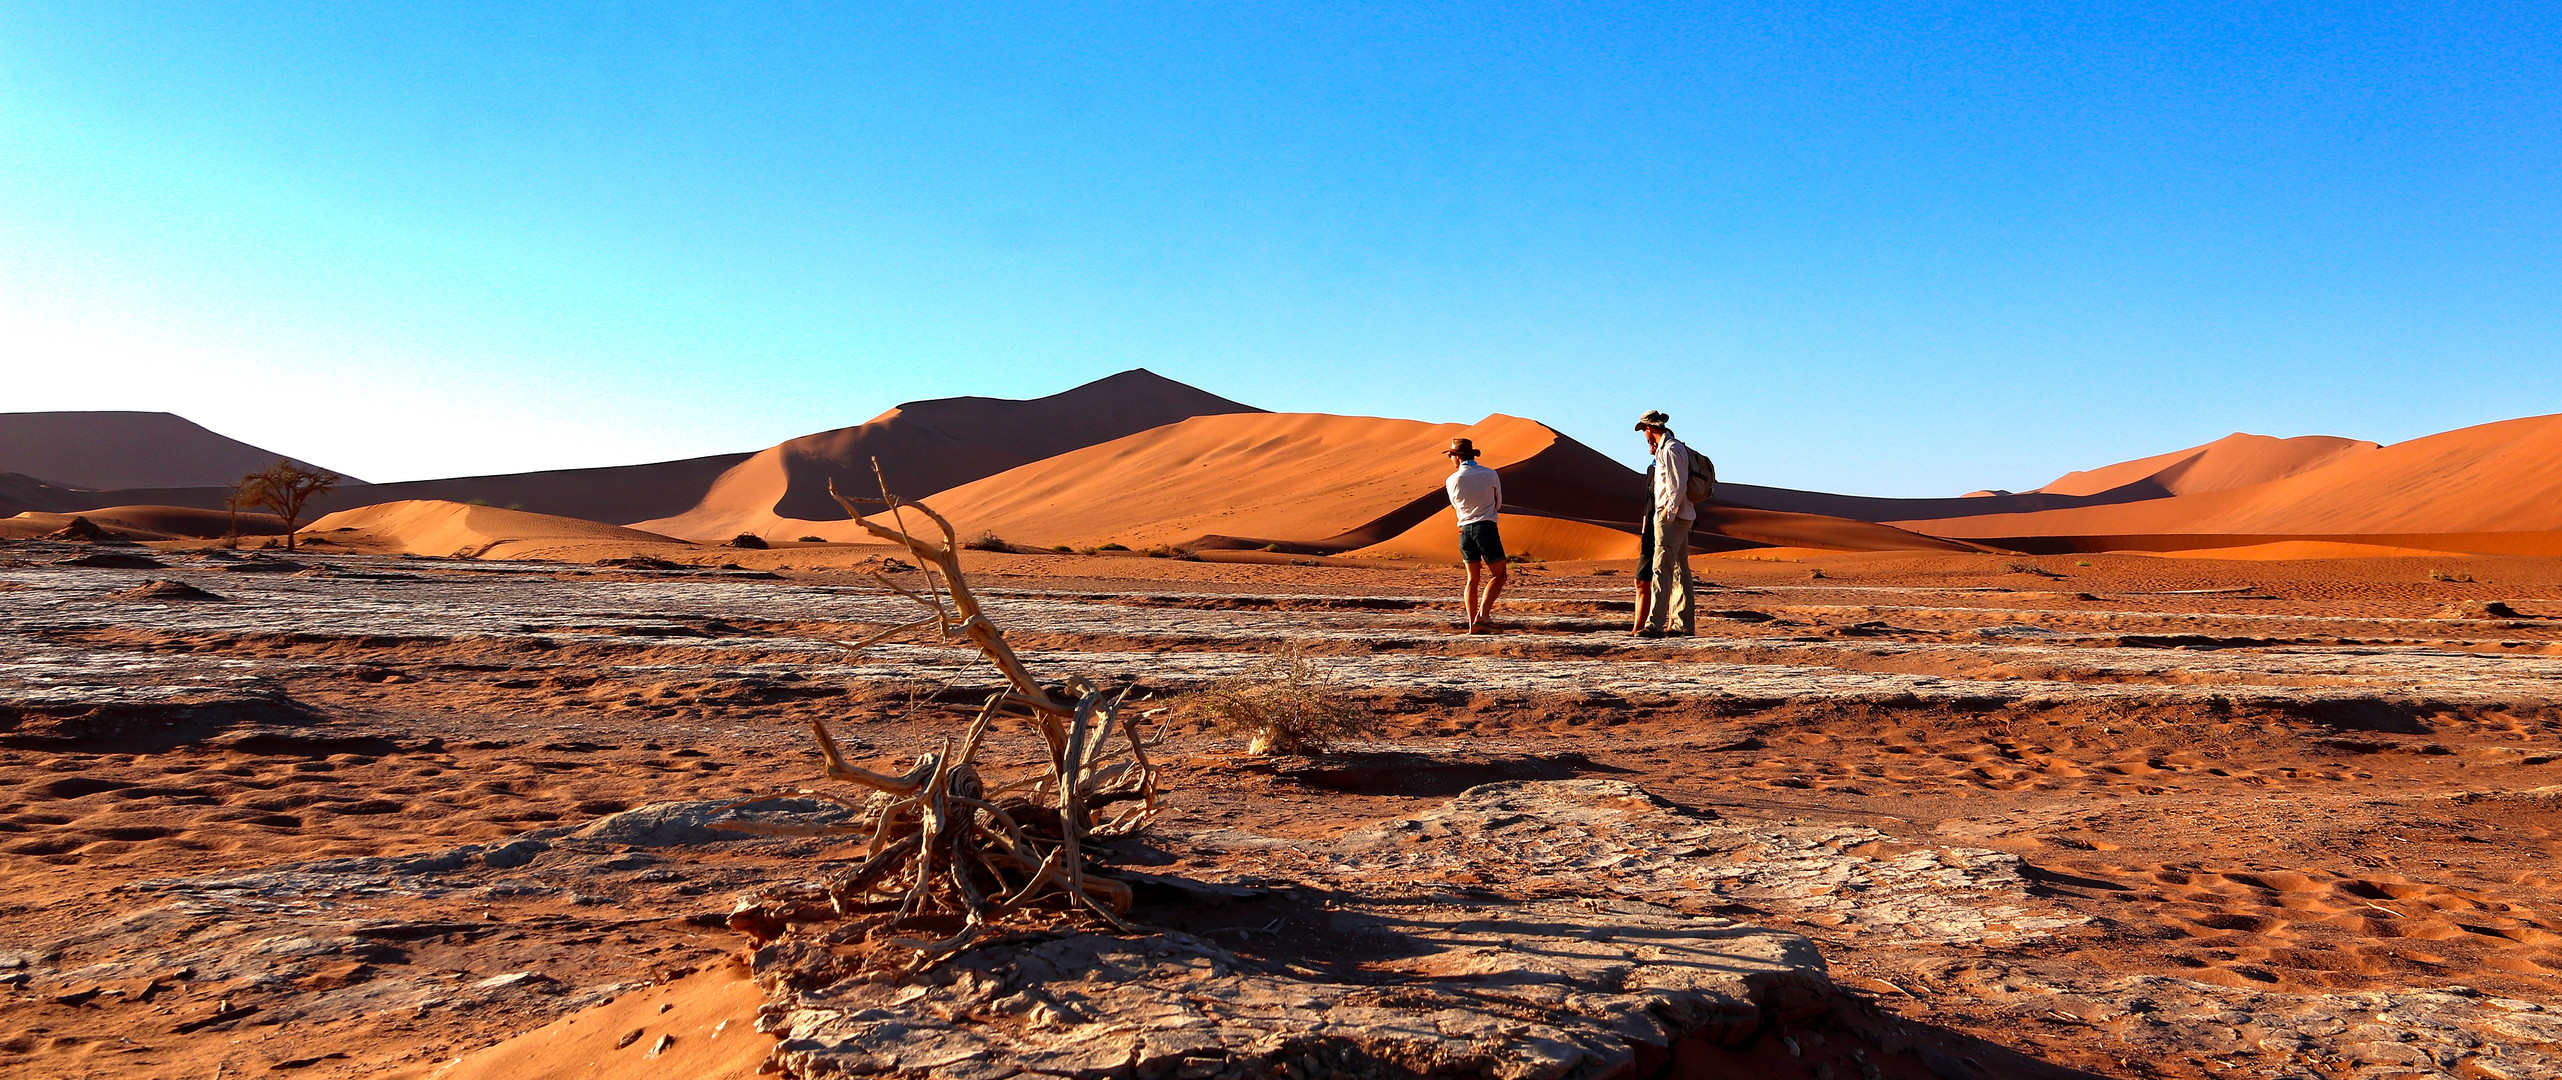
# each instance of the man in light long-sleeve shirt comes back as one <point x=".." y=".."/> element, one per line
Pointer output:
<point x="1476" y="492"/>
<point x="1668" y="606"/>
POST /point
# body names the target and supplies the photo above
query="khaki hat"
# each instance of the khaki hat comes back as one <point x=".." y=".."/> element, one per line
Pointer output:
<point x="1654" y="418"/>
<point x="1462" y="448"/>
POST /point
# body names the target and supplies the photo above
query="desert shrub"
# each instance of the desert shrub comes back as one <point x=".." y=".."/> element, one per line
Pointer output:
<point x="1113" y="547"/>
<point x="748" y="540"/>
<point x="1284" y="705"/>
<point x="1063" y="549"/>
<point x="813" y="540"/>
<point x="1159" y="552"/>
<point x="2449" y="575"/>
<point x="1271" y="547"/>
<point x="988" y="541"/>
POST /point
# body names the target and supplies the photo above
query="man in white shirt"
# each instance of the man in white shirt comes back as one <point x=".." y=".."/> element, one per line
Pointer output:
<point x="1668" y="606"/>
<point x="1476" y="493"/>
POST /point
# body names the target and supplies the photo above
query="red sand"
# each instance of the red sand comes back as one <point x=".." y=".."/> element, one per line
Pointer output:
<point x="780" y="493"/>
<point x="2236" y="460"/>
<point x="2493" y="478"/>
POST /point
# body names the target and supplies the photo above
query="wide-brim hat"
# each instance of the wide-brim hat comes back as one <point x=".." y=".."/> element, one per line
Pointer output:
<point x="1462" y="448"/>
<point x="1654" y="418"/>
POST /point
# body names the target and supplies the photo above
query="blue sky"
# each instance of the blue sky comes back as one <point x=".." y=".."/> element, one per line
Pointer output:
<point x="1904" y="249"/>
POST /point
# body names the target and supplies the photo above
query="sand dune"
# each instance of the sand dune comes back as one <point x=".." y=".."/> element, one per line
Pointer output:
<point x="1306" y="477"/>
<point x="2236" y="460"/>
<point x="106" y="450"/>
<point x="1728" y="528"/>
<point x="1545" y="538"/>
<point x="147" y="523"/>
<point x="1321" y="483"/>
<point x="430" y="527"/>
<point x="780" y="493"/>
<point x="2492" y="478"/>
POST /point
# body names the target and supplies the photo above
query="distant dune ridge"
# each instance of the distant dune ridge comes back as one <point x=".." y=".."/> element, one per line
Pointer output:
<point x="433" y="527"/>
<point x="1144" y="461"/>
<point x="147" y="523"/>
<point x="2503" y="477"/>
<point x="1321" y="483"/>
<point x="2236" y="460"/>
<point x="109" y="450"/>
<point x="780" y="493"/>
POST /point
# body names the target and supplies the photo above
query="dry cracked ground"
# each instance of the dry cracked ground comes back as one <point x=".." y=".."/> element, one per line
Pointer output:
<point x="1949" y="816"/>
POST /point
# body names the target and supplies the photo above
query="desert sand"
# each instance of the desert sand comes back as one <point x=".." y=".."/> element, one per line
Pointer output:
<point x="147" y="523"/>
<point x="466" y="791"/>
<point x="2236" y="460"/>
<point x="433" y="527"/>
<point x="780" y="493"/>
<point x="2494" y="478"/>
<point x="2120" y="814"/>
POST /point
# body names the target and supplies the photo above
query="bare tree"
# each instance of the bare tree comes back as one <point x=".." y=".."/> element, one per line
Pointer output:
<point x="284" y="487"/>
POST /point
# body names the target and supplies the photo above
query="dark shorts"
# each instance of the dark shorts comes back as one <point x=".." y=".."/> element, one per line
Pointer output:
<point x="1479" y="542"/>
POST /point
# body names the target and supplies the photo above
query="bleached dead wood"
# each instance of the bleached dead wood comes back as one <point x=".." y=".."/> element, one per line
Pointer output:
<point x="951" y="836"/>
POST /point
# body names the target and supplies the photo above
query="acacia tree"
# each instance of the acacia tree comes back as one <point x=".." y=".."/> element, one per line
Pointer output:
<point x="284" y="487"/>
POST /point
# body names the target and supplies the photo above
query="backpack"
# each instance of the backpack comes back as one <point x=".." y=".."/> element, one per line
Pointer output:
<point x="1703" y="478"/>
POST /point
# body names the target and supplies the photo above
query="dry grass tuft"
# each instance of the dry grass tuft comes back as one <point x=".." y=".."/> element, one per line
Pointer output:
<point x="1284" y="705"/>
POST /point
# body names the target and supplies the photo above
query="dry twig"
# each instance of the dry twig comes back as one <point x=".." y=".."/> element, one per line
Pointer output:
<point x="950" y="838"/>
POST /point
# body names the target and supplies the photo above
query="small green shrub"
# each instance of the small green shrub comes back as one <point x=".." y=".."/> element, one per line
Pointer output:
<point x="1112" y="547"/>
<point x="1063" y="549"/>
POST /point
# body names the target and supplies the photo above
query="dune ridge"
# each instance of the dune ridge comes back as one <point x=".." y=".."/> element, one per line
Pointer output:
<point x="121" y="449"/>
<point x="436" y="527"/>
<point x="2503" y="477"/>
<point x="780" y="492"/>
<point x="146" y="523"/>
<point x="2236" y="460"/>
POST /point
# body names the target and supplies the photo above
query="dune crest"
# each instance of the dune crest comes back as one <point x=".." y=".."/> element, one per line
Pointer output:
<point x="147" y="523"/>
<point x="780" y="493"/>
<point x="2236" y="460"/>
<point x="2503" y="477"/>
<point x="106" y="450"/>
<point x="434" y="527"/>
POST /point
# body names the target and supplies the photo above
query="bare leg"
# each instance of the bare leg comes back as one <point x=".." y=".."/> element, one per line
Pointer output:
<point x="1496" y="575"/>
<point x="1468" y="602"/>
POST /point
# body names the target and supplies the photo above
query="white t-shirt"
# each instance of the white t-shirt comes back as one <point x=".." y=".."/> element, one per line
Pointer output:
<point x="1476" y="492"/>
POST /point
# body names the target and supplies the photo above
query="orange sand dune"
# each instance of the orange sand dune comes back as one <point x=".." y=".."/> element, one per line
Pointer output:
<point x="101" y="450"/>
<point x="147" y="523"/>
<point x="2304" y="549"/>
<point x="1317" y="482"/>
<point x="1280" y="476"/>
<point x="2236" y="460"/>
<point x="432" y="527"/>
<point x="706" y="1022"/>
<point x="1719" y="524"/>
<point x="780" y="493"/>
<point x="2490" y="543"/>
<point x="1547" y="539"/>
<point x="2492" y="478"/>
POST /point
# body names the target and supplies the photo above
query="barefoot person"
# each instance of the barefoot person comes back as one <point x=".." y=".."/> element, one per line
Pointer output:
<point x="1476" y="492"/>
<point x="1667" y="608"/>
